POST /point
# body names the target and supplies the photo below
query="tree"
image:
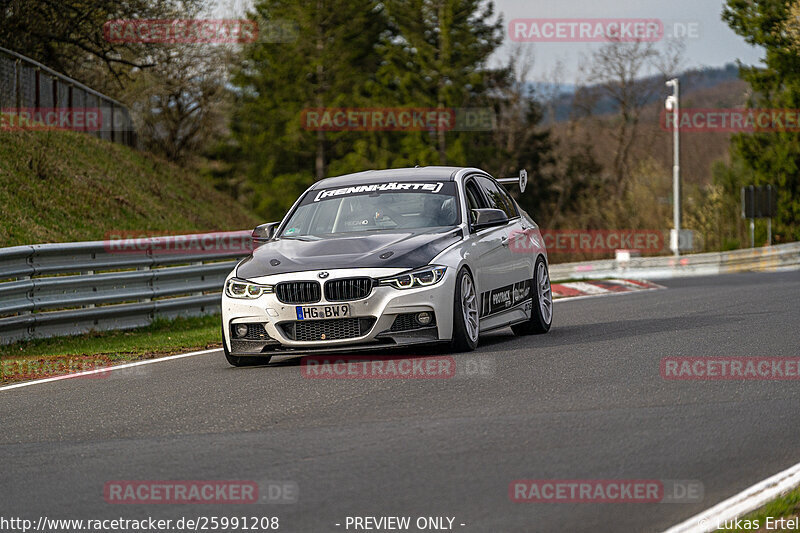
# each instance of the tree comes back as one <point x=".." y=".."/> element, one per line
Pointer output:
<point x="440" y="59"/>
<point x="332" y="63"/>
<point x="67" y="35"/>
<point x="180" y="104"/>
<point x="772" y="157"/>
<point x="517" y="141"/>
<point x="176" y="91"/>
<point x="616" y="77"/>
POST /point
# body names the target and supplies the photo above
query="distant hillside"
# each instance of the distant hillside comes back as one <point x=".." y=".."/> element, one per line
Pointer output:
<point x="710" y="88"/>
<point x="703" y="83"/>
<point x="62" y="186"/>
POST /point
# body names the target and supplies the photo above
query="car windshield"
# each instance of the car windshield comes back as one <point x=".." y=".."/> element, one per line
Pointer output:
<point x="374" y="207"/>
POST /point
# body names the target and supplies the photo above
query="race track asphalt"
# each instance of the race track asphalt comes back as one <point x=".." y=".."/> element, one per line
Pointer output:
<point x="586" y="401"/>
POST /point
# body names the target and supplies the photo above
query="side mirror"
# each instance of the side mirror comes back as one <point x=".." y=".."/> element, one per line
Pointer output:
<point x="487" y="218"/>
<point x="265" y="232"/>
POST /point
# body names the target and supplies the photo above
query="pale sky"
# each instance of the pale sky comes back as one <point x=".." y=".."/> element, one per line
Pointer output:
<point x="714" y="45"/>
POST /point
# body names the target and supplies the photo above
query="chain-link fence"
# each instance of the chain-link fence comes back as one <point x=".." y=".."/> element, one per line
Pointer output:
<point x="33" y="96"/>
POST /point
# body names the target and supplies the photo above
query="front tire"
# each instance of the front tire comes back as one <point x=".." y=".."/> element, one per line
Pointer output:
<point x="542" y="309"/>
<point x="465" y="314"/>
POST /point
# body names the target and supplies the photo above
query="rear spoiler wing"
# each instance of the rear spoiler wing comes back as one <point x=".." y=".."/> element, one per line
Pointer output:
<point x="522" y="180"/>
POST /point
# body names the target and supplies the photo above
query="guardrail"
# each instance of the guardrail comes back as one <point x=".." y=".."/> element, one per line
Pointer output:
<point x="780" y="257"/>
<point x="62" y="289"/>
<point x="29" y="86"/>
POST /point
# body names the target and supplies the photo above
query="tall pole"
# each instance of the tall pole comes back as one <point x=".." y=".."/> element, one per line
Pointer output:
<point x="673" y="104"/>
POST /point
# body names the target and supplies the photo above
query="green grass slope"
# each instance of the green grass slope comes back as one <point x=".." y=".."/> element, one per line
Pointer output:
<point x="58" y="186"/>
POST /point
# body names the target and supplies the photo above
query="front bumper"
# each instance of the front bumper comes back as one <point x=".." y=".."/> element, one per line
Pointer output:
<point x="377" y="314"/>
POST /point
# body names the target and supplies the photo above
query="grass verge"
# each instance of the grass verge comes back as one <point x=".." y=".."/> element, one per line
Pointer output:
<point x="62" y="186"/>
<point x="40" y="358"/>
<point x="786" y="507"/>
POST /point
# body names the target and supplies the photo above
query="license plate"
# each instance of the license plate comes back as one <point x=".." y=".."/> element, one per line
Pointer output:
<point x="305" y="312"/>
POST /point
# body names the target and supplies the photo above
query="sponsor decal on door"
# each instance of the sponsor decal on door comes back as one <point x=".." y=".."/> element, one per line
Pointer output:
<point x="498" y="300"/>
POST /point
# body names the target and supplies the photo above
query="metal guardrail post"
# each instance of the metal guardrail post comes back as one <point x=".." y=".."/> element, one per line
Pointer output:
<point x="18" y="81"/>
<point x="89" y="273"/>
<point x="28" y="294"/>
<point x="201" y="292"/>
<point x="149" y="284"/>
<point x="37" y="99"/>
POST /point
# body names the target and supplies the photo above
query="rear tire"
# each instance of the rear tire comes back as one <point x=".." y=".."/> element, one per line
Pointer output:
<point x="465" y="314"/>
<point x="247" y="360"/>
<point x="542" y="309"/>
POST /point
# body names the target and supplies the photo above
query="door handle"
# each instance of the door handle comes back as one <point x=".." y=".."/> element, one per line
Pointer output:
<point x="504" y="240"/>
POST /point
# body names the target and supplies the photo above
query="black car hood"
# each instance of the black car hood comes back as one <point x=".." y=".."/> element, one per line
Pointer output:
<point x="391" y="249"/>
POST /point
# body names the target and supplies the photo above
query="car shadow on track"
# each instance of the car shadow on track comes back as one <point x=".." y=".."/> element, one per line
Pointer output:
<point x="389" y="353"/>
<point x="504" y="340"/>
<point x="607" y="331"/>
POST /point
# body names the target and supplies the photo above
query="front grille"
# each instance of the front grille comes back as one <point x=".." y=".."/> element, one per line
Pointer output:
<point x="298" y="292"/>
<point x="334" y="329"/>
<point x="343" y="290"/>
<point x="407" y="321"/>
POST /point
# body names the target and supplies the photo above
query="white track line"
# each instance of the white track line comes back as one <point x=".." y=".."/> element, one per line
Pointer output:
<point x="107" y="369"/>
<point x="745" y="502"/>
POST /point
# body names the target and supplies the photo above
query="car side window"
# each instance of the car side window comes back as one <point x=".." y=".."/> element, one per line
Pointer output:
<point x="512" y="206"/>
<point x="498" y="199"/>
<point x="474" y="198"/>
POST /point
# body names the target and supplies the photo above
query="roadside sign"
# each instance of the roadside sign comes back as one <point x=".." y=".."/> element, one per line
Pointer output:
<point x="684" y="242"/>
<point x="759" y="202"/>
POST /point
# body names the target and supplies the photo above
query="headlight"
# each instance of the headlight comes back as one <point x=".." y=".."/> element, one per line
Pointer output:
<point x="421" y="277"/>
<point x="237" y="288"/>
